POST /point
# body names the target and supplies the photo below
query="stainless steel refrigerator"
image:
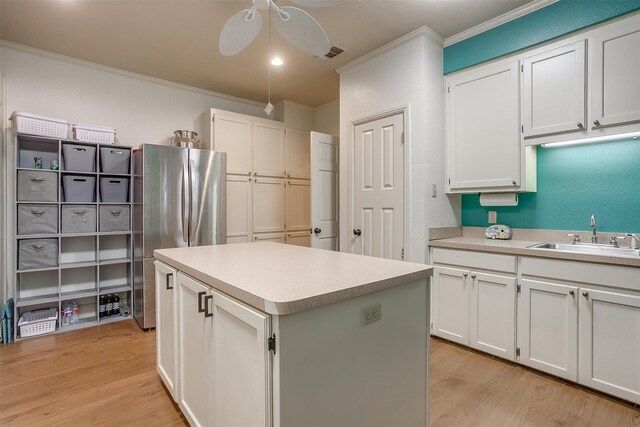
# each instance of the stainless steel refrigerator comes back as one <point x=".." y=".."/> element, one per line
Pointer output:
<point x="179" y="199"/>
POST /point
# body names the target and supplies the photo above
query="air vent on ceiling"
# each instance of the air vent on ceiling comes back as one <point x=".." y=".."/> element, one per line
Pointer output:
<point x="333" y="52"/>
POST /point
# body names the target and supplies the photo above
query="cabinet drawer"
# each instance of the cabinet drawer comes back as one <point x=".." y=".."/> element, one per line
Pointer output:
<point x="475" y="260"/>
<point x="37" y="219"/>
<point x="37" y="253"/>
<point x="582" y="272"/>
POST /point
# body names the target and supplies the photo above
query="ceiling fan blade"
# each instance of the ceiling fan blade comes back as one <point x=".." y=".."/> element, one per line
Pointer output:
<point x="317" y="3"/>
<point x="302" y="30"/>
<point x="239" y="31"/>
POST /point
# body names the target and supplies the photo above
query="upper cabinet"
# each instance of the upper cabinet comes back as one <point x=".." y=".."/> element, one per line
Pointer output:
<point x="233" y="135"/>
<point x="554" y="95"/>
<point x="298" y="153"/>
<point x="615" y="78"/>
<point x="483" y="128"/>
<point x="268" y="149"/>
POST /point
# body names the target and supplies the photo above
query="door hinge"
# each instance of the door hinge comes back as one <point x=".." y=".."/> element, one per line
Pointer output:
<point x="448" y="89"/>
<point x="518" y="351"/>
<point x="213" y="118"/>
<point x="402" y="138"/>
<point x="402" y="253"/>
<point x="449" y="181"/>
<point x="518" y="288"/>
<point x="522" y="128"/>
<point x="272" y="343"/>
<point x="522" y="68"/>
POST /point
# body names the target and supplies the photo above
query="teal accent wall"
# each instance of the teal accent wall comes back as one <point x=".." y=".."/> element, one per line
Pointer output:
<point x="574" y="182"/>
<point x="542" y="25"/>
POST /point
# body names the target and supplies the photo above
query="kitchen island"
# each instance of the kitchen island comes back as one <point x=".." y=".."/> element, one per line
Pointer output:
<point x="269" y="334"/>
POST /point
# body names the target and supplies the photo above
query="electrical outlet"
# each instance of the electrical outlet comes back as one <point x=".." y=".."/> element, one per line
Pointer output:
<point x="493" y="217"/>
<point x="371" y="314"/>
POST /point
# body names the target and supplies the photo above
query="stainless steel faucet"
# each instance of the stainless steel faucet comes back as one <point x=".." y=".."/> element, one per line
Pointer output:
<point x="594" y="236"/>
<point x="634" y="241"/>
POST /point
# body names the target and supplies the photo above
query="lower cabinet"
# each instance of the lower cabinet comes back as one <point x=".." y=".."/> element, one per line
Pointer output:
<point x="166" y="325"/>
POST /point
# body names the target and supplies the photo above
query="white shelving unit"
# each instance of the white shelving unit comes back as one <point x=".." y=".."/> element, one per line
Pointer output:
<point x="89" y="264"/>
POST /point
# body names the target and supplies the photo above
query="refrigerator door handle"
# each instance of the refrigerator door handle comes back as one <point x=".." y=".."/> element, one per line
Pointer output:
<point x="185" y="203"/>
<point x="193" y="210"/>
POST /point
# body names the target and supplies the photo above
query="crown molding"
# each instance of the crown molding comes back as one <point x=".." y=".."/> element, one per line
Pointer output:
<point x="497" y="21"/>
<point x="96" y="66"/>
<point x="423" y="31"/>
<point x="328" y="104"/>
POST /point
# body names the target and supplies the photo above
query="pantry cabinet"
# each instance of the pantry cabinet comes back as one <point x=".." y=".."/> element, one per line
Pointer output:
<point x="268" y="205"/>
<point x="268" y="149"/>
<point x="239" y="208"/>
<point x="298" y="197"/>
<point x="298" y="154"/>
<point x="483" y="128"/>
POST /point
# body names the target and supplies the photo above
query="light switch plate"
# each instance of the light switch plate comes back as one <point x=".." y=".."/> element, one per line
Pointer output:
<point x="493" y="217"/>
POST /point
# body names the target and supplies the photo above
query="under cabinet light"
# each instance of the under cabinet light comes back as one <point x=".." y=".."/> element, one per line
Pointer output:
<point x="630" y="135"/>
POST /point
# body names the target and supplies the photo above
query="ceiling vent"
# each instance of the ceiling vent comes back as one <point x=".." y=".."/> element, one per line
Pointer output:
<point x="333" y="52"/>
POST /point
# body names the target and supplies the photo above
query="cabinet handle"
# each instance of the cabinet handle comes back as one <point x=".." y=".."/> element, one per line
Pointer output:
<point x="572" y="292"/>
<point x="317" y="230"/>
<point x="357" y="232"/>
<point x="167" y="278"/>
<point x="596" y="123"/>
<point x="206" y="305"/>
<point x="585" y="294"/>
<point x="473" y="276"/>
<point x="465" y="274"/>
<point x="580" y="125"/>
<point x="200" y="307"/>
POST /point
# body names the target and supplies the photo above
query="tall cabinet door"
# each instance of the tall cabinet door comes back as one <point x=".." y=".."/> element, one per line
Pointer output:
<point x="610" y="343"/>
<point x="241" y="373"/>
<point x="298" y="153"/>
<point x="298" y="196"/>
<point x="195" y="351"/>
<point x="239" y="210"/>
<point x="615" y="86"/>
<point x="554" y="91"/>
<point x="492" y="320"/>
<point x="268" y="149"/>
<point x="233" y="135"/>
<point x="268" y="205"/>
<point x="548" y="328"/>
<point x="451" y="304"/>
<point x="166" y="326"/>
<point x="483" y="131"/>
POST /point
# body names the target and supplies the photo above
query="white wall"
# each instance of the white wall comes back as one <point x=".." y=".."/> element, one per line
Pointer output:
<point x="407" y="73"/>
<point x="328" y="118"/>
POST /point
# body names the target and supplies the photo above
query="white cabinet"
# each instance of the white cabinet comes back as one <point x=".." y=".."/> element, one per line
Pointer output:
<point x="475" y="308"/>
<point x="268" y="149"/>
<point x="554" y="91"/>
<point x="615" y="82"/>
<point x="268" y="205"/>
<point x="195" y="351"/>
<point x="232" y="134"/>
<point x="166" y="326"/>
<point x="483" y="129"/>
<point x="239" y="208"/>
<point x="299" y="238"/>
<point x="548" y="328"/>
<point x="298" y="146"/>
<point x="298" y="205"/>
<point x="609" y="337"/>
<point x="269" y="237"/>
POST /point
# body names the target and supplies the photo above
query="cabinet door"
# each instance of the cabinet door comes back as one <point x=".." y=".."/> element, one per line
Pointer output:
<point x="268" y="149"/>
<point x="298" y="153"/>
<point x="548" y="328"/>
<point x="298" y="201"/>
<point x="241" y="373"/>
<point x="268" y="205"/>
<point x="269" y="237"/>
<point x="299" y="238"/>
<point x="554" y="91"/>
<point x="451" y="304"/>
<point x="166" y="326"/>
<point x="492" y="323"/>
<point x="195" y="353"/>
<point x="239" y="210"/>
<point x="233" y="135"/>
<point x="610" y="343"/>
<point x="615" y="82"/>
<point x="483" y="128"/>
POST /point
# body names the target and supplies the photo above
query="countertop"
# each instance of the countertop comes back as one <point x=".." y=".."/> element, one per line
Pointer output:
<point x="284" y="279"/>
<point x="520" y="247"/>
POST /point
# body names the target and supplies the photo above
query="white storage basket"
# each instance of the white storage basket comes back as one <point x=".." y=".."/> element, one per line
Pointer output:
<point x="97" y="134"/>
<point x="38" y="322"/>
<point x="39" y="125"/>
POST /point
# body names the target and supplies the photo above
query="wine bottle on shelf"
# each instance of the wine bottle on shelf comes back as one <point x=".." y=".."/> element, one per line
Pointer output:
<point x="102" y="306"/>
<point x="108" y="306"/>
<point x="116" y="305"/>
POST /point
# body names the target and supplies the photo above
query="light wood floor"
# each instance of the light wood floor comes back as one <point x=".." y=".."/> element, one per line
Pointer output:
<point x="106" y="376"/>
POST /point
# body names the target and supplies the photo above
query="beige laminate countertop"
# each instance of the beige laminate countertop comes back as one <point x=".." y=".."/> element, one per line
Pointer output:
<point x="520" y="247"/>
<point x="284" y="279"/>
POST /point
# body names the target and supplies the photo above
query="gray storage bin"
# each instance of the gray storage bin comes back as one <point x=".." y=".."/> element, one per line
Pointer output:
<point x="37" y="253"/>
<point x="37" y="186"/>
<point x="79" y="188"/>
<point x="79" y="158"/>
<point x="37" y="219"/>
<point x="114" y="160"/>
<point x="114" y="190"/>
<point x="78" y="219"/>
<point x="114" y="218"/>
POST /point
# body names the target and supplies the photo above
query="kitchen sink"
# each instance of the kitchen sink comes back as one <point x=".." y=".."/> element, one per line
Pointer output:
<point x="585" y="248"/>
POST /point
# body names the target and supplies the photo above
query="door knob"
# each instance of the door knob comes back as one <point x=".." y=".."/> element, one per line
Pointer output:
<point x="357" y="232"/>
<point x="317" y="230"/>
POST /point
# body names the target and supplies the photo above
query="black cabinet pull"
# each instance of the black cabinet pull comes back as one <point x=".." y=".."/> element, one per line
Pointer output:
<point x="206" y="305"/>
<point x="200" y="307"/>
<point x="168" y="279"/>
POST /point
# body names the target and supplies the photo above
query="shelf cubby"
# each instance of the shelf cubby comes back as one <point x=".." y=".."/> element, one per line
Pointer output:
<point x="82" y="279"/>
<point x="75" y="250"/>
<point x="115" y="247"/>
<point x="115" y="277"/>
<point x="37" y="285"/>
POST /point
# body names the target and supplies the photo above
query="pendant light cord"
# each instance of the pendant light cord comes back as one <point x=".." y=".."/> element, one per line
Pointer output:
<point x="269" y="49"/>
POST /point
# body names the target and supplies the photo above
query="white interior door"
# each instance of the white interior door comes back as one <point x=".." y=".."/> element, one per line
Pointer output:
<point x="378" y="215"/>
<point x="324" y="191"/>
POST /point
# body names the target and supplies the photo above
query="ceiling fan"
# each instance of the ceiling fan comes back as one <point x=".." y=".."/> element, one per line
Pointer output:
<point x="295" y="25"/>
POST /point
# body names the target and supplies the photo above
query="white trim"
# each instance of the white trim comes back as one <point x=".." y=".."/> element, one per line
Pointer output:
<point x="497" y="21"/>
<point x="328" y="104"/>
<point x="423" y="31"/>
<point x="89" y="64"/>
